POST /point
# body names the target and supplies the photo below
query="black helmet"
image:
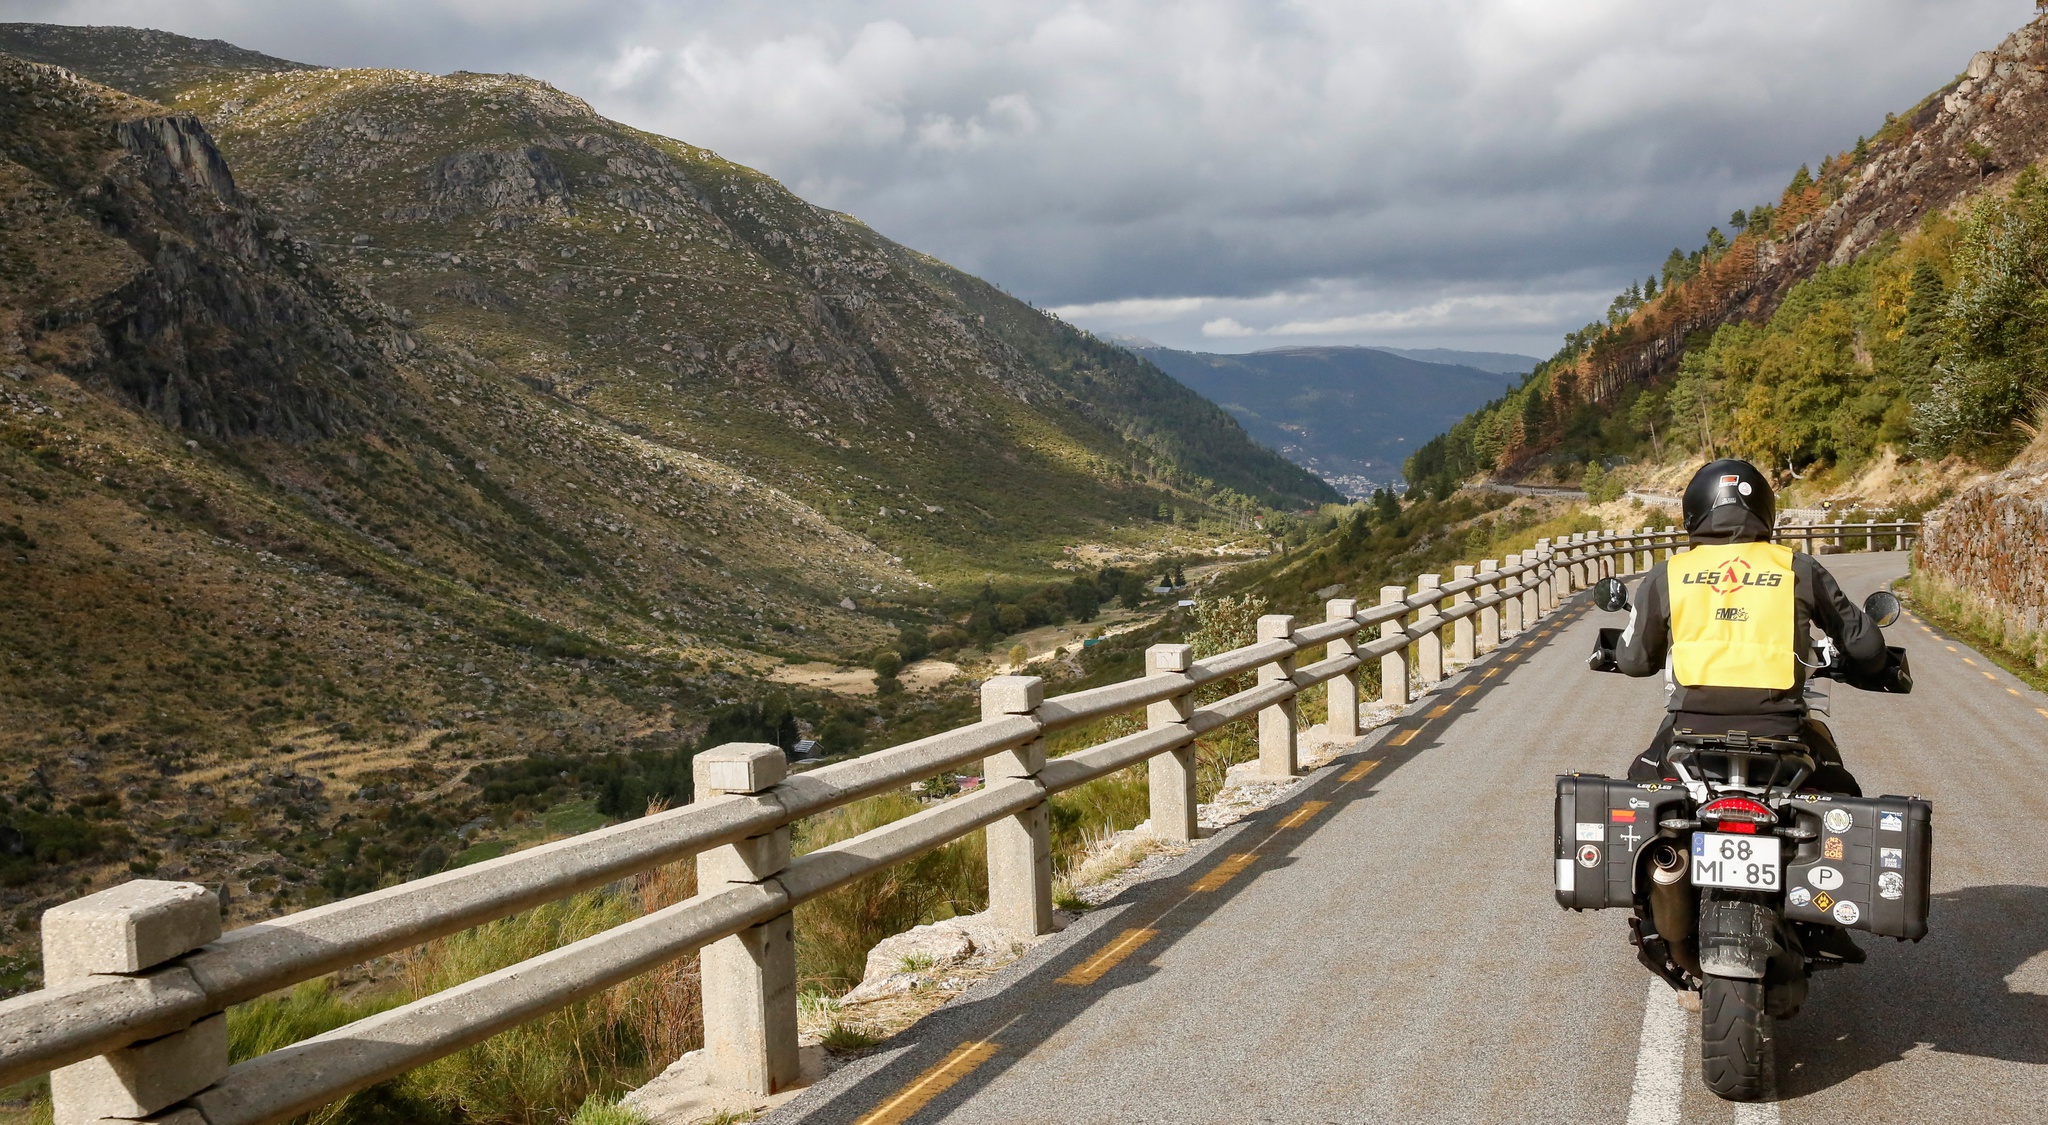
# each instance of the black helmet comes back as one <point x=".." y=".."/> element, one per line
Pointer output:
<point x="1729" y="481"/>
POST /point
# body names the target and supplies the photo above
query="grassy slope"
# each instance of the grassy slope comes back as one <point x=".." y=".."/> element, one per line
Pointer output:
<point x="670" y="291"/>
<point x="380" y="525"/>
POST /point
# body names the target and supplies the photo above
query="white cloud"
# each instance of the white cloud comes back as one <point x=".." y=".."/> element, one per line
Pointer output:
<point x="1478" y="171"/>
<point x="1226" y="328"/>
<point x="1136" y="310"/>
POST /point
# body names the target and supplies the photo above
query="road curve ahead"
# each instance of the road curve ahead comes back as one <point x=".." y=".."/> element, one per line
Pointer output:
<point x="1385" y="947"/>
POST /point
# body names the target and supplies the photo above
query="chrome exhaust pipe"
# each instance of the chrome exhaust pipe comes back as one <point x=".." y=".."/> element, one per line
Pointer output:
<point x="1668" y="863"/>
<point x="1672" y="907"/>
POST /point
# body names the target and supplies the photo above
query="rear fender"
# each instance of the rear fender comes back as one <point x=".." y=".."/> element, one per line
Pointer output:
<point x="1738" y="938"/>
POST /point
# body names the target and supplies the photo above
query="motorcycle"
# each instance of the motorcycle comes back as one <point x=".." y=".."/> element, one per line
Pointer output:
<point x="1740" y="879"/>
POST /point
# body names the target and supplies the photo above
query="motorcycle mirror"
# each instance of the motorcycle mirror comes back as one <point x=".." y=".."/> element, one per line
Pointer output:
<point x="1609" y="594"/>
<point x="1883" y="608"/>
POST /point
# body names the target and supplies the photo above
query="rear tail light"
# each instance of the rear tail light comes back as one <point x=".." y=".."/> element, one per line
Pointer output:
<point x="1738" y="814"/>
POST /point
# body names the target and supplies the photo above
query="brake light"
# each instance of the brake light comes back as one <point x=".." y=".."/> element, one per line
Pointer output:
<point x="1738" y="814"/>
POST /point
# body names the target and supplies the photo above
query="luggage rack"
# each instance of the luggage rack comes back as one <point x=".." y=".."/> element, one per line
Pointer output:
<point x="1742" y="750"/>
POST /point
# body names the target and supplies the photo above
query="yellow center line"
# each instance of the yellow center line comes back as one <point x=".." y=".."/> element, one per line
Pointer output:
<point x="1493" y="671"/>
<point x="1967" y="660"/>
<point x="1359" y="770"/>
<point x="1468" y="689"/>
<point x="956" y="1065"/>
<point x="1440" y="712"/>
<point x="1224" y="872"/>
<point x="1403" y="738"/>
<point x="2041" y="711"/>
<point x="1092" y="970"/>
<point x="2012" y="691"/>
<point x="1304" y="814"/>
<point x="1991" y="677"/>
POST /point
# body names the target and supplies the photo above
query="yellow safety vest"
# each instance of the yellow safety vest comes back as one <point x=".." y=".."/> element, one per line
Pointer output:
<point x="1732" y="616"/>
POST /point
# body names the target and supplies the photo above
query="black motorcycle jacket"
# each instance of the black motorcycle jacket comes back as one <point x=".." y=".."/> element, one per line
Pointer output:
<point x="1646" y="646"/>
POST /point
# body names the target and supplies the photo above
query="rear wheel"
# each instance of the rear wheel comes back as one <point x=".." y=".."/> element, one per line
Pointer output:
<point x="1732" y="1026"/>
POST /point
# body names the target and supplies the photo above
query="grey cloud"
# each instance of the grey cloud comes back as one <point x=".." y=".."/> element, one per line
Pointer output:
<point x="1479" y="173"/>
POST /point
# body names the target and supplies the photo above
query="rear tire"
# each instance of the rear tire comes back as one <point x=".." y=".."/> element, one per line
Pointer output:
<point x="1732" y="1027"/>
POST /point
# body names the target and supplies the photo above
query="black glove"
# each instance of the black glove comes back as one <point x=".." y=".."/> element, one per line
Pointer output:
<point x="1895" y="678"/>
<point x="1602" y="658"/>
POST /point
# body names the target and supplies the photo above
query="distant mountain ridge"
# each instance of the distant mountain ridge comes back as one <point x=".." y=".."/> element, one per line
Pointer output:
<point x="1501" y="363"/>
<point x="1351" y="414"/>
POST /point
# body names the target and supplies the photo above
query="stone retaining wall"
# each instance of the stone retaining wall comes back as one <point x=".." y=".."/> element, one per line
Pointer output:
<point x="1989" y="546"/>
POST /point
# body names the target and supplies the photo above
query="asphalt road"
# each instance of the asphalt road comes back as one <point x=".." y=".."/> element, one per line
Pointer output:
<point x="1385" y="946"/>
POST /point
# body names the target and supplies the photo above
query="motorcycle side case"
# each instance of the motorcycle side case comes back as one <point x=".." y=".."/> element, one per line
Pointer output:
<point x="1870" y="876"/>
<point x="1602" y="825"/>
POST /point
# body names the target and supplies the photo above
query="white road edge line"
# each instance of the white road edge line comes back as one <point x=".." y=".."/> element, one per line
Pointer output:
<point x="1660" y="1060"/>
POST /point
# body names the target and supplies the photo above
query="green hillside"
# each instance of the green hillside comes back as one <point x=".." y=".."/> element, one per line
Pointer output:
<point x="1888" y="299"/>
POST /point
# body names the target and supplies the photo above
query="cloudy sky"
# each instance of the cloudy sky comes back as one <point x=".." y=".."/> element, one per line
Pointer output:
<point x="1225" y="175"/>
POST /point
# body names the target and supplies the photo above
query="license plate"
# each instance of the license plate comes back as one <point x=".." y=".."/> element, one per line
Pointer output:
<point x="1723" y="859"/>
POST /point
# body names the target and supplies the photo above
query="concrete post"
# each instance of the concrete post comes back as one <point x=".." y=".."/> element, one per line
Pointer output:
<point x="1019" y="846"/>
<point x="1841" y="540"/>
<point x="1394" y="665"/>
<point x="1511" y="609"/>
<point x="1277" y="756"/>
<point x="1429" y="648"/>
<point x="126" y="929"/>
<point x="1464" y="642"/>
<point x="1489" y="616"/>
<point x="1343" y="721"/>
<point x="1671" y="547"/>
<point x="1546" y="594"/>
<point x="1172" y="774"/>
<point x="1869" y="540"/>
<point x="748" y="979"/>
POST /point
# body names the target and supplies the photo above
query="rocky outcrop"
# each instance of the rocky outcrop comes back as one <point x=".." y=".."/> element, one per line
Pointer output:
<point x="161" y="281"/>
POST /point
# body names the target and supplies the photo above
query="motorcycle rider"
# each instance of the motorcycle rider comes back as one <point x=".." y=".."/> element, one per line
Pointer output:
<point x="1731" y="636"/>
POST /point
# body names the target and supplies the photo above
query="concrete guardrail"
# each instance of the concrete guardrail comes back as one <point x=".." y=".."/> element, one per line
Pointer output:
<point x="131" y="1020"/>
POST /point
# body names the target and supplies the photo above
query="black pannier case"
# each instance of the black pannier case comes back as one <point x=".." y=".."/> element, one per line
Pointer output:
<point x="1602" y="825"/>
<point x="1873" y="854"/>
<point x="1868" y="869"/>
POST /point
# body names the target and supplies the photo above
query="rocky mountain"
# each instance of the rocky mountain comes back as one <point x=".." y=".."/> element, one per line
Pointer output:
<point x="383" y="454"/>
<point x="1352" y="415"/>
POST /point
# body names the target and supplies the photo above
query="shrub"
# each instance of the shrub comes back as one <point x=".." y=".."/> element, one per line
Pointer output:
<point x="834" y="932"/>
